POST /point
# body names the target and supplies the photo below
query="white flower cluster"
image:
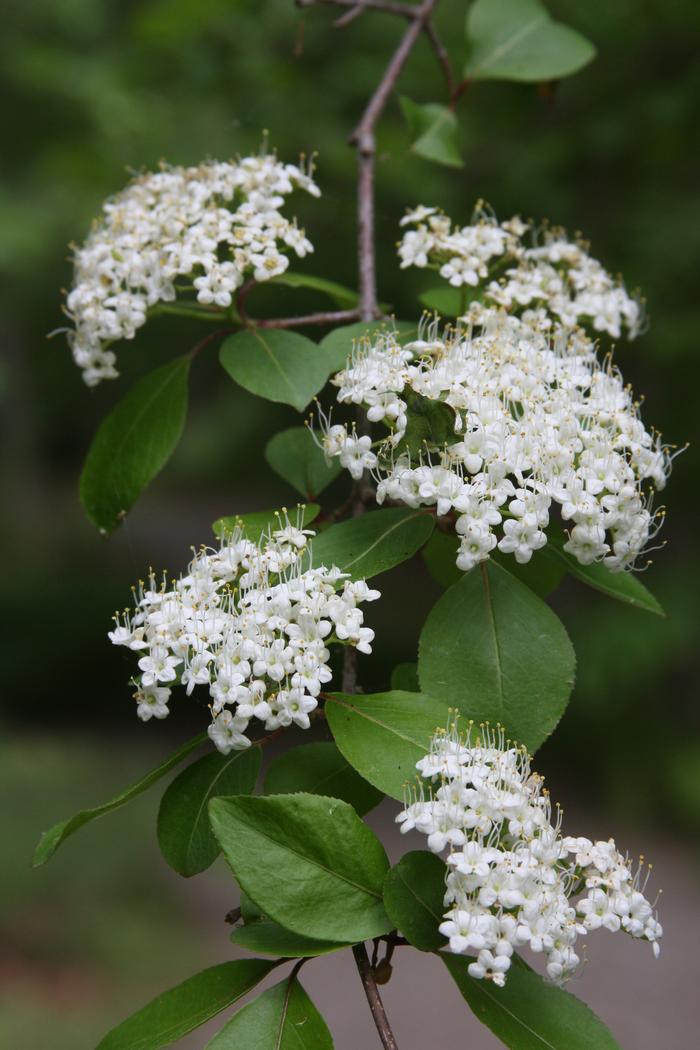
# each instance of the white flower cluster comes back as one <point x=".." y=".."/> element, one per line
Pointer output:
<point x="215" y="224"/>
<point x="252" y="622"/>
<point x="512" y="878"/>
<point x="551" y="272"/>
<point x="508" y="419"/>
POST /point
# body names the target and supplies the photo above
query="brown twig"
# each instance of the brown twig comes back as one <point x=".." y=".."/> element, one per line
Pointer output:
<point x="364" y="140"/>
<point x="321" y="317"/>
<point x="350" y="15"/>
<point x="458" y="91"/>
<point x="374" y="999"/>
<point x="441" y="55"/>
<point x="329" y="317"/>
<point x="409" y="11"/>
<point x="389" y="7"/>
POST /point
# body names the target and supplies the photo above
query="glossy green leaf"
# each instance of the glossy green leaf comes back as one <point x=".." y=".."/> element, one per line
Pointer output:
<point x="276" y="365"/>
<point x="413" y="898"/>
<point x="344" y="298"/>
<point x="624" y="586"/>
<point x="542" y="574"/>
<point x="282" y="1018"/>
<point x="434" y="132"/>
<point x="430" y="424"/>
<point x="184" y="835"/>
<point x="529" y="1014"/>
<point x="374" y="542"/>
<point x="440" y="557"/>
<point x="295" y="456"/>
<point x="134" y="443"/>
<point x="492" y="648"/>
<point x="261" y="935"/>
<point x="255" y="524"/>
<point x="52" y="839"/>
<point x="405" y="677"/>
<point x="187" y="1006"/>
<point x="447" y="301"/>
<point x="269" y="938"/>
<point x="337" y="345"/>
<point x="385" y="734"/>
<point x="518" y="40"/>
<point x="250" y="912"/>
<point x="307" y="861"/>
<point x="320" y="769"/>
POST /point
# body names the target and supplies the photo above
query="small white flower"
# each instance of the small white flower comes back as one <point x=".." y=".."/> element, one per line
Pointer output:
<point x="511" y="879"/>
<point x="214" y="224"/>
<point x="152" y="702"/>
<point x="250" y="623"/>
<point x="538" y="421"/>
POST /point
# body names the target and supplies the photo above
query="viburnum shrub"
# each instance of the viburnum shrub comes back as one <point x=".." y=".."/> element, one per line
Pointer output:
<point x="493" y="434"/>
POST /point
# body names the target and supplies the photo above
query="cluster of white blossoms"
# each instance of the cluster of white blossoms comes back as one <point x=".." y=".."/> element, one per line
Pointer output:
<point x="212" y="225"/>
<point x="493" y="421"/>
<point x="512" y="878"/>
<point x="550" y="272"/>
<point x="252" y="622"/>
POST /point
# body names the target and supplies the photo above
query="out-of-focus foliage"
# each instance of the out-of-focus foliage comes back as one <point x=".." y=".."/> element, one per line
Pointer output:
<point x="99" y="89"/>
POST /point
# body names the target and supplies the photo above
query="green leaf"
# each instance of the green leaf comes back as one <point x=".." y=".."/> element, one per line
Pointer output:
<point x="249" y="909"/>
<point x="337" y="345"/>
<point x="405" y="677"/>
<point x="307" y="861"/>
<point x="374" y="542"/>
<point x="295" y="456"/>
<point x="384" y="735"/>
<point x="187" y="1006"/>
<point x="134" y="443"/>
<point x="541" y="574"/>
<point x="529" y="1014"/>
<point x="282" y="1018"/>
<point x="518" y="40"/>
<point x="430" y="423"/>
<point x="495" y="650"/>
<point x="320" y="769"/>
<point x="439" y="555"/>
<point x="184" y="835"/>
<point x="269" y="938"/>
<point x="277" y="365"/>
<point x="344" y="298"/>
<point x="413" y="898"/>
<point x="447" y="301"/>
<point x="624" y="586"/>
<point x="434" y="131"/>
<point x="260" y="521"/>
<point x="52" y="839"/>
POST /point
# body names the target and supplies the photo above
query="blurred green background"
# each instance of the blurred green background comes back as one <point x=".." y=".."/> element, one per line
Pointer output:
<point x="95" y="89"/>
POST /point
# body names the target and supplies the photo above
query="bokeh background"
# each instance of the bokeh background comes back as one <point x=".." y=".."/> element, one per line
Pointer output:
<point x="95" y="89"/>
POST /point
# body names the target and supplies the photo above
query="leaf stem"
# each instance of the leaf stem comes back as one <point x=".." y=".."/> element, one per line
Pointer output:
<point x="328" y="317"/>
<point x="322" y="317"/>
<point x="374" y="999"/>
<point x="441" y="55"/>
<point x="182" y="310"/>
<point x="210" y="339"/>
